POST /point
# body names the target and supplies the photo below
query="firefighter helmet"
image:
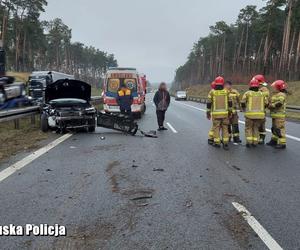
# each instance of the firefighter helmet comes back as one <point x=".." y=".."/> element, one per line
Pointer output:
<point x="261" y="79"/>
<point x="254" y="83"/>
<point x="213" y="85"/>
<point x="219" y="81"/>
<point x="279" y="85"/>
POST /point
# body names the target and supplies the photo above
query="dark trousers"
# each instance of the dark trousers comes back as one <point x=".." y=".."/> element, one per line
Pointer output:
<point x="160" y="117"/>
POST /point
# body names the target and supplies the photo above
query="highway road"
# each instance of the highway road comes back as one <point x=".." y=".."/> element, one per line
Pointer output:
<point x="173" y="192"/>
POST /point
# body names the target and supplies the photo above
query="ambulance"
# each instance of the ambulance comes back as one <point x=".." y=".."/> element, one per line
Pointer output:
<point x="135" y="81"/>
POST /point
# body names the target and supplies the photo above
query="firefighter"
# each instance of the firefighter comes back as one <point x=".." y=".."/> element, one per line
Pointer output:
<point x="253" y="103"/>
<point x="125" y="99"/>
<point x="263" y="87"/>
<point x="211" y="131"/>
<point x="218" y="109"/>
<point x="233" y="128"/>
<point x="278" y="114"/>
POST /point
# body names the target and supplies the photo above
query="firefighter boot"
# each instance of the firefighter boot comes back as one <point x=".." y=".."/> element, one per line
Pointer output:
<point x="262" y="138"/>
<point x="225" y="147"/>
<point x="210" y="142"/>
<point x="280" y="146"/>
<point x="237" y="140"/>
<point x="272" y="143"/>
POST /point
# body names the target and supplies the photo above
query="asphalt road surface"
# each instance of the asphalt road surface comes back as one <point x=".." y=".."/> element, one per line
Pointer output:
<point x="173" y="192"/>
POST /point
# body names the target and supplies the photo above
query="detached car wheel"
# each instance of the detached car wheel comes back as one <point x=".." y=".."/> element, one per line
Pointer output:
<point x="44" y="123"/>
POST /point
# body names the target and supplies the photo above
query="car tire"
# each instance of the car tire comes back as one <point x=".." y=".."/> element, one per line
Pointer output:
<point x="44" y="123"/>
<point x="91" y="129"/>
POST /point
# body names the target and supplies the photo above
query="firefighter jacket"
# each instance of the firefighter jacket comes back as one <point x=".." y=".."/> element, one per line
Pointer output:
<point x="219" y="104"/>
<point x="125" y="99"/>
<point x="278" y="105"/>
<point x="234" y="96"/>
<point x="254" y="104"/>
<point x="265" y="91"/>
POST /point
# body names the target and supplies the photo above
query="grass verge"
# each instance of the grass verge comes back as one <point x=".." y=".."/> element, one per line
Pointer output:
<point x="14" y="140"/>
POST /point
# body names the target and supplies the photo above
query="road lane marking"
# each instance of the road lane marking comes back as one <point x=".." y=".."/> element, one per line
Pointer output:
<point x="172" y="128"/>
<point x="30" y="158"/>
<point x="242" y="122"/>
<point x="257" y="227"/>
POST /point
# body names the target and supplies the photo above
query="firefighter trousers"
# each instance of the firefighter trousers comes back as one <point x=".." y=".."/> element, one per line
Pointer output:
<point x="252" y="130"/>
<point x="279" y="131"/>
<point x="262" y="131"/>
<point x="220" y="125"/>
<point x="233" y="128"/>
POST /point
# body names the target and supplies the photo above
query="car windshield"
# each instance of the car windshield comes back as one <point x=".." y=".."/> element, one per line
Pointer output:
<point x="113" y="84"/>
<point x="181" y="93"/>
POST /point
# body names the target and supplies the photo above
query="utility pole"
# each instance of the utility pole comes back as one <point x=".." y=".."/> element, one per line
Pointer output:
<point x="2" y="57"/>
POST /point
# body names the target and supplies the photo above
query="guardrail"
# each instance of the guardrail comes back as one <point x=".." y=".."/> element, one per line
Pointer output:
<point x="204" y="100"/>
<point x="16" y="114"/>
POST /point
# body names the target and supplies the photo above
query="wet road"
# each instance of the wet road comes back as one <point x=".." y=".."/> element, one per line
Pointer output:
<point x="95" y="188"/>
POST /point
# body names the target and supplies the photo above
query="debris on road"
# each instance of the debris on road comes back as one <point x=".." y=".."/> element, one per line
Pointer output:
<point x="236" y="167"/>
<point x="189" y="204"/>
<point x="150" y="134"/>
<point x="102" y="138"/>
<point x="73" y="147"/>
<point x="158" y="170"/>
<point x="144" y="197"/>
<point x="134" y="166"/>
<point x="49" y="170"/>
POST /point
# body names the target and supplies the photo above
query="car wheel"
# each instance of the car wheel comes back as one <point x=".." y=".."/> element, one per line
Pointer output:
<point x="44" y="123"/>
<point x="92" y="129"/>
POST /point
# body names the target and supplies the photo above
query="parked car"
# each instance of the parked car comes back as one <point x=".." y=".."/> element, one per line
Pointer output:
<point x="181" y="95"/>
<point x="67" y="107"/>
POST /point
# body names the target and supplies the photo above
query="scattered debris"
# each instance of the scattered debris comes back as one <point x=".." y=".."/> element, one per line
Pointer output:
<point x="229" y="195"/>
<point x="201" y="176"/>
<point x="189" y="204"/>
<point x="151" y="134"/>
<point x="49" y="170"/>
<point x="236" y="167"/>
<point x="142" y="205"/>
<point x="216" y="213"/>
<point x="72" y="147"/>
<point x="134" y="166"/>
<point x="142" y="197"/>
<point x="158" y="170"/>
<point x="102" y="138"/>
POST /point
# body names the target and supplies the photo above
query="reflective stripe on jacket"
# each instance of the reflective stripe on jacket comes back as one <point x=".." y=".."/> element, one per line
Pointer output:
<point x="124" y="99"/>
<point x="255" y="104"/>
<point x="219" y="100"/>
<point x="280" y="111"/>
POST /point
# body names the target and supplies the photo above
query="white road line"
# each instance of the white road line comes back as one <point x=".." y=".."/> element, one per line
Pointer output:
<point x="242" y="122"/>
<point x="30" y="158"/>
<point x="172" y="128"/>
<point x="257" y="227"/>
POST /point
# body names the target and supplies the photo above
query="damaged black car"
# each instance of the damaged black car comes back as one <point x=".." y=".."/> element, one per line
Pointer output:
<point x="67" y="107"/>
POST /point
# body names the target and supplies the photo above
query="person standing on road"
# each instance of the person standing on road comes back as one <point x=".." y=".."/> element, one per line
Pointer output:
<point x="263" y="87"/>
<point x="234" y="95"/>
<point x="218" y="109"/>
<point x="211" y="131"/>
<point x="125" y="99"/>
<point x="254" y="104"/>
<point x="162" y="101"/>
<point x="278" y="114"/>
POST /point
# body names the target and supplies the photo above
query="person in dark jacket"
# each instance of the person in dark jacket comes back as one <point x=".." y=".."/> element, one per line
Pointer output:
<point x="125" y="99"/>
<point x="162" y="102"/>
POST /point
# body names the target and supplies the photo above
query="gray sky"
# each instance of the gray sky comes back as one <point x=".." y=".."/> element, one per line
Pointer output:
<point x="153" y="35"/>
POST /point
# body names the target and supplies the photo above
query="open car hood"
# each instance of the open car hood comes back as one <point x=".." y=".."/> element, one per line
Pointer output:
<point x="67" y="88"/>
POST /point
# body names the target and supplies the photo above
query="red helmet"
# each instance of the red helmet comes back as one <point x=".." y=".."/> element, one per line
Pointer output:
<point x="279" y="85"/>
<point x="261" y="79"/>
<point x="254" y="83"/>
<point x="213" y="85"/>
<point x="219" y="81"/>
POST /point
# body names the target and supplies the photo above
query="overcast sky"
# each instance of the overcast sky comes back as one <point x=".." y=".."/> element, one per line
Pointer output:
<point x="155" y="36"/>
